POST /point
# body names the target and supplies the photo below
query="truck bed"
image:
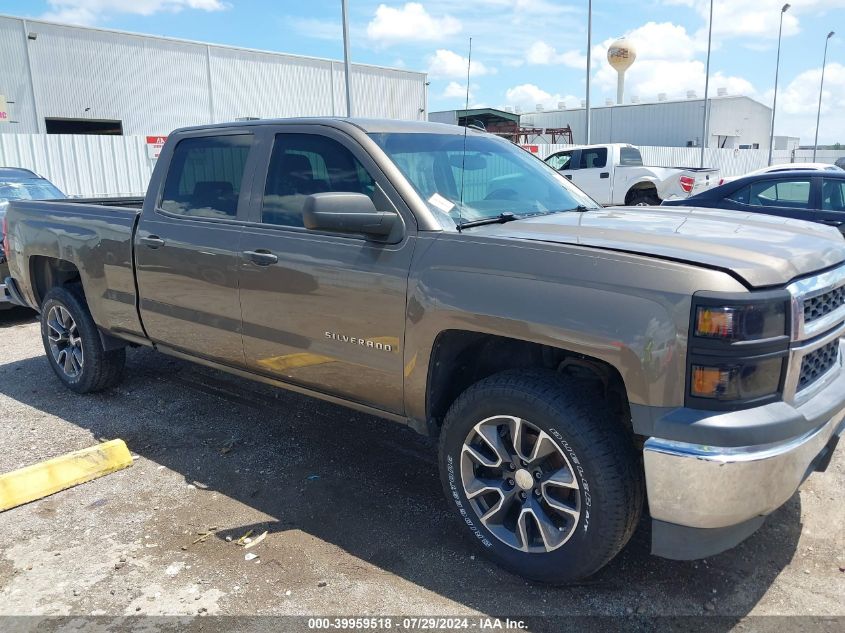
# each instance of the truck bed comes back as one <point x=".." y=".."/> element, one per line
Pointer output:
<point x="96" y="237"/>
<point x="121" y="202"/>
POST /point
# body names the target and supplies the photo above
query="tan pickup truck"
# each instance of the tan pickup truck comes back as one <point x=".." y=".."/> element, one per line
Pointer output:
<point x="575" y="362"/>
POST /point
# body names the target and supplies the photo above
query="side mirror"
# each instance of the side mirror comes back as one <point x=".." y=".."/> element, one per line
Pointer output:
<point x="347" y="213"/>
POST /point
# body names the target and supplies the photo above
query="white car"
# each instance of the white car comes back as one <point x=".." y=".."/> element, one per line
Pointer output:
<point x="772" y="169"/>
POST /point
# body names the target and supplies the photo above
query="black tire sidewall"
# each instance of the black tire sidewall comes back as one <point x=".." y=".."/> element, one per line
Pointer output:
<point x="91" y="346"/>
<point x="578" y="556"/>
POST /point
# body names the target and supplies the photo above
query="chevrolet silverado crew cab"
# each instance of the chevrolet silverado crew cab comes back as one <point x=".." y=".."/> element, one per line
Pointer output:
<point x="614" y="174"/>
<point x="575" y="362"/>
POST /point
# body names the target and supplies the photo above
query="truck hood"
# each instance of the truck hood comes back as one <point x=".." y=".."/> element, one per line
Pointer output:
<point x="762" y="250"/>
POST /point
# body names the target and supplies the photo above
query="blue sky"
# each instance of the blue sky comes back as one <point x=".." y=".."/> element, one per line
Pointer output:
<point x="525" y="52"/>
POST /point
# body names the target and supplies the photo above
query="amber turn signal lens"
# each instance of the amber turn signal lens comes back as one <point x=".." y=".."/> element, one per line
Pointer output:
<point x="715" y="322"/>
<point x="709" y="382"/>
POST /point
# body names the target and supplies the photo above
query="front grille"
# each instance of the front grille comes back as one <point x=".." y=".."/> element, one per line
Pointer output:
<point x="817" y="363"/>
<point x="822" y="305"/>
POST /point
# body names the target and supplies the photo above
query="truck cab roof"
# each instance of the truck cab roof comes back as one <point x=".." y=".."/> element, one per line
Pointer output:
<point x="368" y="126"/>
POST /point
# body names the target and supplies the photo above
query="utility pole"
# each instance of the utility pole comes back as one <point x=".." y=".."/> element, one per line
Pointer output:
<point x="821" y="91"/>
<point x="705" y="131"/>
<point x="777" y="72"/>
<point x="346" y="64"/>
<point x="589" y="57"/>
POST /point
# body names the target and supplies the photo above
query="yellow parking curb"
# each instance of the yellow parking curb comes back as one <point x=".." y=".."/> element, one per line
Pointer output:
<point x="46" y="478"/>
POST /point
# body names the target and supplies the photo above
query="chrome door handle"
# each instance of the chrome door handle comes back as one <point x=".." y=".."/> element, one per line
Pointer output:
<point x="261" y="257"/>
<point x="153" y="241"/>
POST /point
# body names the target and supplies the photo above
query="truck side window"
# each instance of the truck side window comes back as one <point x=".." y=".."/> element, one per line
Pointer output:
<point x="304" y="164"/>
<point x="630" y="157"/>
<point x="593" y="158"/>
<point x="204" y="179"/>
<point x="560" y="161"/>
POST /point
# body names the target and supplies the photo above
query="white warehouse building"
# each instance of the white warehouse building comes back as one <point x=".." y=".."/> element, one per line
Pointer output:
<point x="60" y="79"/>
<point x="735" y="122"/>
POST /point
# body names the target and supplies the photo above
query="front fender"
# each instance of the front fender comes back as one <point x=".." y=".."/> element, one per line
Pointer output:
<point x="629" y="311"/>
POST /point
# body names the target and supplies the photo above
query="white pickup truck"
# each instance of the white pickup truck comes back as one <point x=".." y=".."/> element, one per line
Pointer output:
<point x="614" y="174"/>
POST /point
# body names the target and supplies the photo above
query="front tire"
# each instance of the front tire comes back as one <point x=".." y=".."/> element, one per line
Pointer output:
<point x="543" y="477"/>
<point x="73" y="345"/>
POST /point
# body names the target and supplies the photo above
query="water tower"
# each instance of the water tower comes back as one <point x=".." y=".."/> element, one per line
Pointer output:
<point x="621" y="56"/>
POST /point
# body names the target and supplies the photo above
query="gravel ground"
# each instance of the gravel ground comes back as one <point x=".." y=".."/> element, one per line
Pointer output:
<point x="352" y="506"/>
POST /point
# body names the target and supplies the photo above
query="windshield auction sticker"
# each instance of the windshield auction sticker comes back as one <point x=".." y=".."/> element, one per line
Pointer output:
<point x="441" y="203"/>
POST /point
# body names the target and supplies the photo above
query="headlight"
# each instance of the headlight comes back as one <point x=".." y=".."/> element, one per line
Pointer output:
<point x="750" y="322"/>
<point x="738" y="347"/>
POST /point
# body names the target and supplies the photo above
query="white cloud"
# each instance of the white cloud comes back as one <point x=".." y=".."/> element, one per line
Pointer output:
<point x="450" y="65"/>
<point x="455" y="90"/>
<point x="93" y="11"/>
<point x="543" y="54"/>
<point x="755" y="18"/>
<point x="798" y="103"/>
<point x="412" y="22"/>
<point x="527" y="96"/>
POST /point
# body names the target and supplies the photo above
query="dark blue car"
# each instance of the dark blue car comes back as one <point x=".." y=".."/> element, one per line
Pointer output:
<point x="19" y="184"/>
<point x="817" y="196"/>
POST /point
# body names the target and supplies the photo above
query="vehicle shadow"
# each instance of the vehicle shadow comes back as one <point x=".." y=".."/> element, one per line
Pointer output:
<point x="10" y="317"/>
<point x="371" y="487"/>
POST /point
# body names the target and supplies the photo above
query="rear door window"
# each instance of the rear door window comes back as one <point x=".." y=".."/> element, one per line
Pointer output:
<point x="205" y="176"/>
<point x="594" y="158"/>
<point x="833" y="195"/>
<point x="741" y="195"/>
<point x="792" y="193"/>
<point x="630" y="157"/>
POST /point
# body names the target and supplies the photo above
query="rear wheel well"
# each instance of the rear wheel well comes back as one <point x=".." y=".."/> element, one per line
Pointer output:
<point x="49" y="272"/>
<point x="641" y="189"/>
<point x="461" y="359"/>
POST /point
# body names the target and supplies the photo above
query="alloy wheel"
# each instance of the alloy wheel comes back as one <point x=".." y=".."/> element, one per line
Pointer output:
<point x="520" y="483"/>
<point x="65" y="341"/>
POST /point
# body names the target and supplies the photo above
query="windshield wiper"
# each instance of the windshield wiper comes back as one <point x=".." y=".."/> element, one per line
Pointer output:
<point x="502" y="218"/>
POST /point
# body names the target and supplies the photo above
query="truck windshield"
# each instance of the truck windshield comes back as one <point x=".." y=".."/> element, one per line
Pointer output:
<point x="32" y="189"/>
<point x="497" y="177"/>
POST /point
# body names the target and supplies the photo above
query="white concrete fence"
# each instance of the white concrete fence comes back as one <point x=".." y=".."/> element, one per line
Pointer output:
<point x="119" y="165"/>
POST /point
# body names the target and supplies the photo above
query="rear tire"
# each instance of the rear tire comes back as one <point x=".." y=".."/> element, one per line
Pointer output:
<point x="73" y="345"/>
<point x="568" y="507"/>
<point x="643" y="198"/>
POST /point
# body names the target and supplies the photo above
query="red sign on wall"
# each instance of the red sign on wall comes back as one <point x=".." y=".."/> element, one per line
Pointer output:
<point x="534" y="149"/>
<point x="154" y="145"/>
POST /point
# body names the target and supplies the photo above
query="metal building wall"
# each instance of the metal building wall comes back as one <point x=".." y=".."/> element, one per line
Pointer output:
<point x="670" y="123"/>
<point x="154" y="85"/>
<point x="14" y="77"/>
<point x="82" y="165"/>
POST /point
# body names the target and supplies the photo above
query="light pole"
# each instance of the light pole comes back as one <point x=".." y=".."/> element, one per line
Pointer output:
<point x="821" y="90"/>
<point x="346" y="64"/>
<point x="589" y="57"/>
<point x="777" y="72"/>
<point x="704" y="131"/>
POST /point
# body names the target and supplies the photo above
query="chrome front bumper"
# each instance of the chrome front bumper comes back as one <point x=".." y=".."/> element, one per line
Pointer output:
<point x="700" y="486"/>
